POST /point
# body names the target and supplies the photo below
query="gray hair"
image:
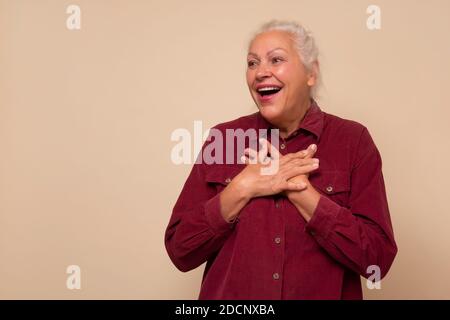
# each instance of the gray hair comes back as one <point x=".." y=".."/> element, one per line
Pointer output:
<point x="303" y="39"/>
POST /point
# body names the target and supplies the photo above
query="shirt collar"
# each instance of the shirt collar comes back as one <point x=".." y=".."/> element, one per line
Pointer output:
<point x="312" y="121"/>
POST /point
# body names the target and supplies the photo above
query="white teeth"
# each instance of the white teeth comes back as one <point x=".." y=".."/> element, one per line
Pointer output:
<point x="268" y="88"/>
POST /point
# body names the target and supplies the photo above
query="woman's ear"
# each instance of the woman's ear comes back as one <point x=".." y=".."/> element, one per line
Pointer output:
<point x="313" y="74"/>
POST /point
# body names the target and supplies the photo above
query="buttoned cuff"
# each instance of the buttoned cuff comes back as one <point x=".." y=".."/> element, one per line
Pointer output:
<point x="214" y="216"/>
<point x="324" y="218"/>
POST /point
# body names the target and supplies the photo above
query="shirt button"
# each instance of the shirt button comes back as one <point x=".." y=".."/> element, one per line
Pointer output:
<point x="277" y="240"/>
<point x="227" y="180"/>
<point x="283" y="146"/>
<point x="329" y="189"/>
<point x="277" y="204"/>
<point x="276" y="276"/>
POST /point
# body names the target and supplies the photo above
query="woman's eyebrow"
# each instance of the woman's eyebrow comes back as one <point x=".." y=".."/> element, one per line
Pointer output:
<point x="268" y="53"/>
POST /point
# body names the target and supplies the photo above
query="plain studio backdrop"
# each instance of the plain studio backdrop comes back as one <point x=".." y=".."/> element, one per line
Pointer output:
<point x="86" y="117"/>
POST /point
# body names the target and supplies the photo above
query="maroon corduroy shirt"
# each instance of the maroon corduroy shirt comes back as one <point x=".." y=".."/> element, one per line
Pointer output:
<point x="270" y="251"/>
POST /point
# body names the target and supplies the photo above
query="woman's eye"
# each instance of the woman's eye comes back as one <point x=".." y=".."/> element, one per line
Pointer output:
<point x="277" y="60"/>
<point x="251" y="63"/>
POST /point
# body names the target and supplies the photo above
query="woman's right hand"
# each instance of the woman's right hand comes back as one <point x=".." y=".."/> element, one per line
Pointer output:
<point x="255" y="181"/>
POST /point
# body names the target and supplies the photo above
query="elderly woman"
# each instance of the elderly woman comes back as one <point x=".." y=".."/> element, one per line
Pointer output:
<point x="308" y="230"/>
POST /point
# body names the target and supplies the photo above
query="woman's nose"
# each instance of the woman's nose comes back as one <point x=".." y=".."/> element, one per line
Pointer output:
<point x="263" y="72"/>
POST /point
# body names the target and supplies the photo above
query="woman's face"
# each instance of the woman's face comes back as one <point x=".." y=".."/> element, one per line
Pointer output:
<point x="278" y="81"/>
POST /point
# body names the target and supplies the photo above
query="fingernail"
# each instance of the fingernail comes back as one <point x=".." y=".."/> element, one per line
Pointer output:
<point x="315" y="165"/>
<point x="301" y="185"/>
<point x="313" y="147"/>
<point x="315" y="160"/>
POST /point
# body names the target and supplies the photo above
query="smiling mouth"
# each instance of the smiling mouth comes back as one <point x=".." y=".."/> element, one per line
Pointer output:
<point x="266" y="93"/>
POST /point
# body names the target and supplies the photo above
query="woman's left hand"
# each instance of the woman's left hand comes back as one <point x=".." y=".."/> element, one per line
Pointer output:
<point x="307" y="154"/>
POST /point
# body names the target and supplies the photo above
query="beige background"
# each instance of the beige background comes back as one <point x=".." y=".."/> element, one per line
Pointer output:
<point x="86" y="117"/>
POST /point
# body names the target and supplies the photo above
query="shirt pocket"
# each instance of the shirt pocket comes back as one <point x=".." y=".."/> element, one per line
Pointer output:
<point x="334" y="184"/>
<point x="220" y="177"/>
